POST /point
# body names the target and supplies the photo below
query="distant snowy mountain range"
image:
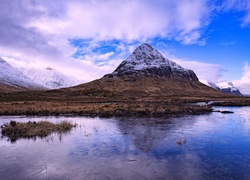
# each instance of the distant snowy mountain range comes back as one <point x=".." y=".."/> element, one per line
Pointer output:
<point x="50" y="78"/>
<point x="34" y="78"/>
<point x="144" y="61"/>
<point x="12" y="77"/>
<point x="226" y="87"/>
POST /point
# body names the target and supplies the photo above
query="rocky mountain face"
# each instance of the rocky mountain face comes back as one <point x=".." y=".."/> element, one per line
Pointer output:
<point x="225" y="87"/>
<point x="147" y="61"/>
<point x="12" y="79"/>
<point x="146" y="72"/>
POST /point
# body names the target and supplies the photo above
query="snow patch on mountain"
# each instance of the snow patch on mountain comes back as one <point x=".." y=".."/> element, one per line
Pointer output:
<point x="226" y="87"/>
<point x="147" y="61"/>
<point x="13" y="77"/>
<point x="50" y="78"/>
<point x="209" y="83"/>
<point x="147" y="57"/>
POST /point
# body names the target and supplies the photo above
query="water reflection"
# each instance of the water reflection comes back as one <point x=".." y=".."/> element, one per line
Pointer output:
<point x="217" y="147"/>
<point x="145" y="135"/>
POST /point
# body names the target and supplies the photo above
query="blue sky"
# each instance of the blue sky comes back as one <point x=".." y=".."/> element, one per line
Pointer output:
<point x="89" y="38"/>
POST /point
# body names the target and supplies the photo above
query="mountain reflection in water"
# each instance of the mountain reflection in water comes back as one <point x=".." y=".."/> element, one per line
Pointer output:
<point x="210" y="146"/>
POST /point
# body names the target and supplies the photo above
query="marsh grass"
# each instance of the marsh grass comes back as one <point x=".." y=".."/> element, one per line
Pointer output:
<point x="181" y="141"/>
<point x="15" y="130"/>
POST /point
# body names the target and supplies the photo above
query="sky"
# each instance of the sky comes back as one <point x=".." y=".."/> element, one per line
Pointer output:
<point x="89" y="38"/>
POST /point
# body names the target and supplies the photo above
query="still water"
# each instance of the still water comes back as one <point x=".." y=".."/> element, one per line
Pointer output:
<point x="210" y="146"/>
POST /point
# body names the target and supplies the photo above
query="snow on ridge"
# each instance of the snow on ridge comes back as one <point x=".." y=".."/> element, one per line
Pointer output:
<point x="50" y="78"/>
<point x="147" y="61"/>
<point x="146" y="56"/>
<point x="37" y="78"/>
<point x="210" y="84"/>
<point x="226" y="87"/>
<point x="13" y="77"/>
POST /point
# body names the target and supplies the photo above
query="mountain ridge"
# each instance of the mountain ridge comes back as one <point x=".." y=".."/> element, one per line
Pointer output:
<point x="143" y="93"/>
<point x="50" y="77"/>
<point x="225" y="87"/>
<point x="147" y="61"/>
<point x="12" y="79"/>
<point x="229" y="88"/>
<point x="146" y="72"/>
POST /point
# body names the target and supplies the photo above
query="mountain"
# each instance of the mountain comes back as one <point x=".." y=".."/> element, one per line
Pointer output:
<point x="50" y="77"/>
<point x="12" y="79"/>
<point x="210" y="84"/>
<point x="229" y="88"/>
<point x="225" y="87"/>
<point x="146" y="72"/>
<point x="147" y="61"/>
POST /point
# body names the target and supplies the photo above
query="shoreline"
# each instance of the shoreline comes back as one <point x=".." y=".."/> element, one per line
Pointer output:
<point x="50" y="103"/>
<point x="125" y="109"/>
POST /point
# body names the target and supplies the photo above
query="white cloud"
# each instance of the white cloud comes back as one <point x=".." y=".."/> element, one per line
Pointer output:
<point x="228" y="43"/>
<point x="128" y="19"/>
<point x="246" y="20"/>
<point x="204" y="71"/>
<point x="192" y="38"/>
<point x="210" y="72"/>
<point x="95" y="56"/>
<point x="243" y="84"/>
<point x="37" y="32"/>
<point x="238" y="5"/>
<point x="81" y="70"/>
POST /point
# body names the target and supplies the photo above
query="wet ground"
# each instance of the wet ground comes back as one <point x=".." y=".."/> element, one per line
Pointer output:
<point x="210" y="146"/>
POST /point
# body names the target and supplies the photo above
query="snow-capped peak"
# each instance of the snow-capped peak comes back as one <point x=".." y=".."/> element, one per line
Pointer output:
<point x="145" y="56"/>
<point x="50" y="77"/>
<point x="147" y="61"/>
<point x="13" y="77"/>
<point x="226" y="87"/>
<point x="209" y="83"/>
<point x="2" y="60"/>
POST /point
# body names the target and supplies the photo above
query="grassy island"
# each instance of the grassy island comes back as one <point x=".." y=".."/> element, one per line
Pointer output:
<point x="15" y="130"/>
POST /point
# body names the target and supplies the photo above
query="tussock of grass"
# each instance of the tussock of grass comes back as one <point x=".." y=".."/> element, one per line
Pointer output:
<point x="15" y="130"/>
<point x="181" y="141"/>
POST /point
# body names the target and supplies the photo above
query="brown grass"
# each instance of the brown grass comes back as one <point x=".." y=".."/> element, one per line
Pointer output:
<point x="110" y="109"/>
<point x="144" y="97"/>
<point x="15" y="130"/>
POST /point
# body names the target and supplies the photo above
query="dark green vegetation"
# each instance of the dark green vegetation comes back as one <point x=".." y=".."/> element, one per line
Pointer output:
<point x="15" y="130"/>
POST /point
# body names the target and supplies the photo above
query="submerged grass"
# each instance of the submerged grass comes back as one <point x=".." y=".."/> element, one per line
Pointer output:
<point x="15" y="130"/>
